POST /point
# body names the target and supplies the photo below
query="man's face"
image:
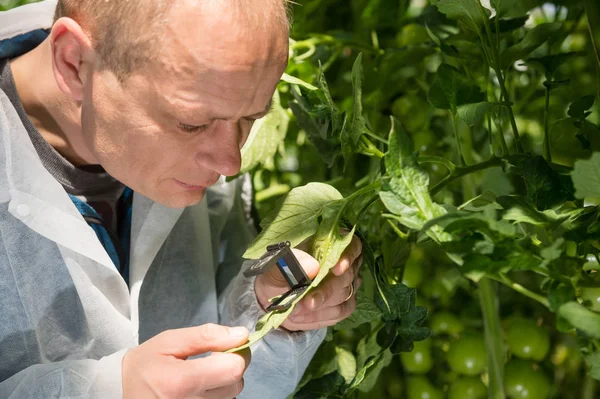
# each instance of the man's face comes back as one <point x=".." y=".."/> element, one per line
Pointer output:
<point x="174" y="127"/>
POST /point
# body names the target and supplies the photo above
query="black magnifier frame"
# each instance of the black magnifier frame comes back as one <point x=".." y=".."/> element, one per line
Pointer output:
<point x="282" y="256"/>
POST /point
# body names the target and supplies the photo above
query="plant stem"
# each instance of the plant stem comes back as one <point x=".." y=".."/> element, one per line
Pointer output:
<point x="461" y="155"/>
<point x="493" y="338"/>
<point x="374" y="136"/>
<point x="589" y="388"/>
<point x="522" y="290"/>
<point x="399" y="232"/>
<point x="465" y="170"/>
<point x="592" y="11"/>
<point x="442" y="161"/>
<point x="366" y="189"/>
<point x="370" y="149"/>
<point x="496" y="66"/>
<point x="272" y="191"/>
<point x="366" y="206"/>
<point x="546" y="126"/>
<point x="513" y="122"/>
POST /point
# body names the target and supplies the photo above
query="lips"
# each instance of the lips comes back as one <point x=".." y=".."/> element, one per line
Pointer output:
<point x="192" y="186"/>
<point x="189" y="186"/>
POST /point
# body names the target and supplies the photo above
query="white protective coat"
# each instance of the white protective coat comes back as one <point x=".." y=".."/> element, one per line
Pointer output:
<point x="66" y="315"/>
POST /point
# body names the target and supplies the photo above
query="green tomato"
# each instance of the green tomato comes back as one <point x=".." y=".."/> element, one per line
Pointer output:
<point x="591" y="297"/>
<point x="528" y="341"/>
<point x="445" y="323"/>
<point x="467" y="388"/>
<point x="522" y="381"/>
<point x="419" y="361"/>
<point x="467" y="354"/>
<point x="419" y="387"/>
<point x="395" y="388"/>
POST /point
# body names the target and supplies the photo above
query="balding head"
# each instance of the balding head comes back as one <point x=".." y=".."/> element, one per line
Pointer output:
<point x="129" y="34"/>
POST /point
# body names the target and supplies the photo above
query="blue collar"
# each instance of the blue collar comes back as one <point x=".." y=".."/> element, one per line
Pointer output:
<point x="19" y="45"/>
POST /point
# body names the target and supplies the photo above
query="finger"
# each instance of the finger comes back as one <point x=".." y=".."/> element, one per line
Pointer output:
<point x="213" y="372"/>
<point x="322" y="318"/>
<point x="230" y="391"/>
<point x="333" y="291"/>
<point x="185" y="342"/>
<point x="350" y="254"/>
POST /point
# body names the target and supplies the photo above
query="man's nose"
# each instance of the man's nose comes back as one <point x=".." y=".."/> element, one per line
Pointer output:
<point x="221" y="151"/>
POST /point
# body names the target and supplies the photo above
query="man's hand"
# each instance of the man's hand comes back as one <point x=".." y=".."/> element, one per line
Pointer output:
<point x="330" y="303"/>
<point x="158" y="368"/>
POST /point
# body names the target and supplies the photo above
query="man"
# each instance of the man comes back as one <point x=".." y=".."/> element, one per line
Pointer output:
<point x="120" y="266"/>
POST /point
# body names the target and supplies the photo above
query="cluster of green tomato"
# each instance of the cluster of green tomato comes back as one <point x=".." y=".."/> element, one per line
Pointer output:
<point x="452" y="363"/>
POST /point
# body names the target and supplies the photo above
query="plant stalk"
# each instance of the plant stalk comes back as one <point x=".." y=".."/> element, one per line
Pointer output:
<point x="546" y="125"/>
<point x="589" y="388"/>
<point x="493" y="338"/>
<point x="461" y="154"/>
<point x="498" y="70"/>
<point x="522" y="290"/>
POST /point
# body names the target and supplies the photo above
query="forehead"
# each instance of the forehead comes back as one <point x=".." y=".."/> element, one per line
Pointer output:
<point x="214" y="54"/>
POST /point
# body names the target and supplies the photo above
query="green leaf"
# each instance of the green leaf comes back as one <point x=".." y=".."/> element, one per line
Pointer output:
<point x="593" y="362"/>
<point x="550" y="63"/>
<point x="366" y="311"/>
<point x="410" y="330"/>
<point x="346" y="363"/>
<point x="508" y="24"/>
<point x="469" y="13"/>
<point x="586" y="177"/>
<point x="474" y="113"/>
<point x="578" y="108"/>
<point x="295" y="218"/>
<point x="266" y="136"/>
<point x="554" y="251"/>
<point x="319" y="117"/>
<point x="372" y="375"/>
<point x="545" y="187"/>
<point x="581" y="318"/>
<point x="484" y="200"/>
<point x="357" y="125"/>
<point x="559" y="294"/>
<point x="325" y="387"/>
<point x="298" y="82"/>
<point x="464" y="222"/>
<point x="398" y="300"/>
<point x="451" y="89"/>
<point x="532" y="40"/>
<point x="521" y="210"/>
<point x="327" y="248"/>
<point x="406" y="186"/>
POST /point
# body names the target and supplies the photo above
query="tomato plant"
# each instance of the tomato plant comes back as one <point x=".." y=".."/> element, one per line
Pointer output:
<point x="461" y="138"/>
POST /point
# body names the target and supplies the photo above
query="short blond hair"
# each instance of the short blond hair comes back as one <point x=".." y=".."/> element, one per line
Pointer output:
<point x="126" y="33"/>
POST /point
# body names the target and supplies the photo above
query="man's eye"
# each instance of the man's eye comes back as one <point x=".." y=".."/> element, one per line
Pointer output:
<point x="191" y="128"/>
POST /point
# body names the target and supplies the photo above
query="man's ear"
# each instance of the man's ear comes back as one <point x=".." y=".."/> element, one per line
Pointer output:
<point x="72" y="57"/>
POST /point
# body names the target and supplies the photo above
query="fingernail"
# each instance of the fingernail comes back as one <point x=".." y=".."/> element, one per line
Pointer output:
<point x="317" y="300"/>
<point x="238" y="332"/>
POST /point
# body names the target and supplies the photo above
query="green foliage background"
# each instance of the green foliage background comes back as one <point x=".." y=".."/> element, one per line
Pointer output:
<point x="462" y="144"/>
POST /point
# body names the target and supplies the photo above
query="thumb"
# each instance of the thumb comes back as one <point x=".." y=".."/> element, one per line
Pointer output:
<point x="185" y="342"/>
<point x="309" y="264"/>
